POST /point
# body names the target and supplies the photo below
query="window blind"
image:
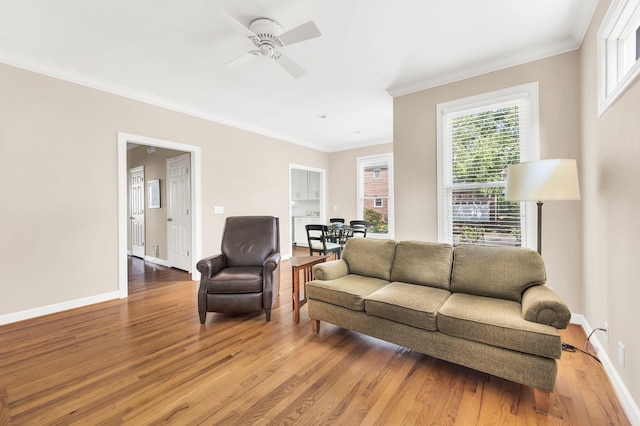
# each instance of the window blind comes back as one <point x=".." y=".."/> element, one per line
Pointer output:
<point x="479" y="144"/>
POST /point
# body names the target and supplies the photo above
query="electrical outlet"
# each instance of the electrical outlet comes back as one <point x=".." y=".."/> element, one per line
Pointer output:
<point x="621" y="354"/>
<point x="606" y="332"/>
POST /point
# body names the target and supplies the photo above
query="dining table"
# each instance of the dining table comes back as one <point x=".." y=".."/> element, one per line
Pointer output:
<point x="339" y="234"/>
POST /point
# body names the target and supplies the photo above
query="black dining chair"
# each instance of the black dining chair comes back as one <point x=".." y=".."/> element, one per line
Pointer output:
<point x="319" y="240"/>
<point x="336" y="219"/>
<point x="359" y="227"/>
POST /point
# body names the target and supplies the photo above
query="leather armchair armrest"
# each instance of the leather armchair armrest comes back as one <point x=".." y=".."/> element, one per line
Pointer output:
<point x="271" y="262"/>
<point x="542" y="305"/>
<point x="330" y="270"/>
<point x="210" y="266"/>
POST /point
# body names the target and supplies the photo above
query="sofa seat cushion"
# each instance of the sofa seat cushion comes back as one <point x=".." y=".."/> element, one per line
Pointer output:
<point x="348" y="291"/>
<point x="497" y="322"/>
<point x="236" y="279"/>
<point x="410" y="304"/>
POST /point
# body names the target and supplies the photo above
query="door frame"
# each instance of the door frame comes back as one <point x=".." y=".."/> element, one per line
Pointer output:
<point x="123" y="217"/>
<point x="323" y="196"/>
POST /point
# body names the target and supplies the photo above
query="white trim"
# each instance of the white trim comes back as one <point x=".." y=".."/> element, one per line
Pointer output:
<point x="157" y="261"/>
<point x="530" y="93"/>
<point x="630" y="407"/>
<point x="613" y="56"/>
<point x="196" y="201"/>
<point x="57" y="307"/>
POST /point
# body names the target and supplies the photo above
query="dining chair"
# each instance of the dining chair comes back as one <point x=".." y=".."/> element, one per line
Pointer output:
<point x="359" y="227"/>
<point x="336" y="219"/>
<point x="318" y="237"/>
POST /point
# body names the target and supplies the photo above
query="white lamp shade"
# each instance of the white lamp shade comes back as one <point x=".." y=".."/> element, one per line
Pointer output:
<point x="543" y="180"/>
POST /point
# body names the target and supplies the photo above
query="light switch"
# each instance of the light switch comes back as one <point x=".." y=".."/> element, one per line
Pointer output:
<point x="218" y="210"/>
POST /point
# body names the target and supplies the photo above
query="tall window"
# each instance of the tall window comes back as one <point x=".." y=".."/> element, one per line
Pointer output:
<point x="375" y="194"/>
<point x="478" y="138"/>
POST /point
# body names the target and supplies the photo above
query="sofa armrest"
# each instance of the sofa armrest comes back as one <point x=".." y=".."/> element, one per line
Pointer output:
<point x="542" y="305"/>
<point x="210" y="266"/>
<point x="330" y="270"/>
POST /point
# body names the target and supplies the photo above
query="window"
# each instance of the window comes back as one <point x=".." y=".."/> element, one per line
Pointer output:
<point x="478" y="138"/>
<point x="375" y="199"/>
<point x="618" y="51"/>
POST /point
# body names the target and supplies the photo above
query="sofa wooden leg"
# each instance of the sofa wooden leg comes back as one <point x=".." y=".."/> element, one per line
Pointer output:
<point x="542" y="400"/>
<point x="315" y="325"/>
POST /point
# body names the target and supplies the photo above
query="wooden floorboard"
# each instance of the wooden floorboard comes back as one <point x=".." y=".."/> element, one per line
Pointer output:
<point x="148" y="360"/>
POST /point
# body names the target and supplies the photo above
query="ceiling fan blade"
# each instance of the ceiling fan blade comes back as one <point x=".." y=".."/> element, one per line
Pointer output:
<point x="290" y="66"/>
<point x="237" y="26"/>
<point x="300" y="33"/>
<point x="240" y="60"/>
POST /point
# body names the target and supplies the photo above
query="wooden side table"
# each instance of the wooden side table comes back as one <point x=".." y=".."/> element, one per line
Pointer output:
<point x="302" y="265"/>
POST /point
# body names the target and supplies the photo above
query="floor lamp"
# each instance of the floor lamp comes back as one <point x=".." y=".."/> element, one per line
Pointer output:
<point x="543" y="180"/>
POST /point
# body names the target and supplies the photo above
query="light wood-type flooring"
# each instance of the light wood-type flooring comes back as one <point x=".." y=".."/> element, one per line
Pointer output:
<point x="147" y="360"/>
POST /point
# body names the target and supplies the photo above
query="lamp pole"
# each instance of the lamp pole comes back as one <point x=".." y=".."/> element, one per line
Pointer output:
<point x="539" y="203"/>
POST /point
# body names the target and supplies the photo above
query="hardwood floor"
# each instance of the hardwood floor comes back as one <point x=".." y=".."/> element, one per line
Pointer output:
<point x="147" y="360"/>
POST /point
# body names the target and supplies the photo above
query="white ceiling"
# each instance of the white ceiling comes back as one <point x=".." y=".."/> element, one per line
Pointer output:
<point x="171" y="53"/>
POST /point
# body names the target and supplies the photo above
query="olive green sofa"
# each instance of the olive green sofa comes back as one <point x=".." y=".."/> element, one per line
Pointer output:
<point x="485" y="308"/>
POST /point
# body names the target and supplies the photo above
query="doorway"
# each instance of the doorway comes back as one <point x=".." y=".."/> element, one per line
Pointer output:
<point x="136" y="208"/>
<point x="307" y="201"/>
<point x="123" y="215"/>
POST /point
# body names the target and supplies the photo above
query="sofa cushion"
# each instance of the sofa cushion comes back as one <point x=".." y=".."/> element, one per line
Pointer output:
<point x="423" y="263"/>
<point x="348" y="291"/>
<point x="497" y="322"/>
<point x="502" y="272"/>
<point x="410" y="304"/>
<point x="369" y="257"/>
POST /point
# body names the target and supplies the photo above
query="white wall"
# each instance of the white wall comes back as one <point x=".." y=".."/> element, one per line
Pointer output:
<point x="611" y="204"/>
<point x="60" y="203"/>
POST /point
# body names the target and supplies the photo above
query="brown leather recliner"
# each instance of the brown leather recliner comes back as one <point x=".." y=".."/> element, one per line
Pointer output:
<point x="245" y="277"/>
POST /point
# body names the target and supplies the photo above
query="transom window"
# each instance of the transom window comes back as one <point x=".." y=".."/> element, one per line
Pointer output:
<point x="478" y="138"/>
<point x="618" y="51"/>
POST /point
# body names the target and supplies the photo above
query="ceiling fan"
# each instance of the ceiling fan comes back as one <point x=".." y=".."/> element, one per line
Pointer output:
<point x="268" y="36"/>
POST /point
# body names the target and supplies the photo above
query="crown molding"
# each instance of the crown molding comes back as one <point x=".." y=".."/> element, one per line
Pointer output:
<point x="481" y="68"/>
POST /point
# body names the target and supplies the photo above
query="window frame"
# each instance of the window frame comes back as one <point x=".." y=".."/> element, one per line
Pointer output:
<point x="361" y="163"/>
<point x="618" y="65"/>
<point x="529" y="150"/>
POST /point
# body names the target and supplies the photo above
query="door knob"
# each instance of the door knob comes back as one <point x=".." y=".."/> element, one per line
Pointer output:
<point x="169" y="219"/>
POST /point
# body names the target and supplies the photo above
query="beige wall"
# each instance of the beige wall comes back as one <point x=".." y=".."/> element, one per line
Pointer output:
<point x="59" y="143"/>
<point x="416" y="163"/>
<point x="155" y="167"/>
<point x="342" y="181"/>
<point x="611" y="203"/>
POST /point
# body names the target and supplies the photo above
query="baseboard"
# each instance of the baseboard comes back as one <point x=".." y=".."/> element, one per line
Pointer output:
<point x="157" y="261"/>
<point x="630" y="407"/>
<point x="58" y="307"/>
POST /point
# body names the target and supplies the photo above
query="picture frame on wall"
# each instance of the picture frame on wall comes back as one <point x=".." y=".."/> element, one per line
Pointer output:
<point x="153" y="191"/>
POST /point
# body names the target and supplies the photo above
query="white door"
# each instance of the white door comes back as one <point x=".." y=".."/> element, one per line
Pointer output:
<point x="136" y="217"/>
<point x="179" y="212"/>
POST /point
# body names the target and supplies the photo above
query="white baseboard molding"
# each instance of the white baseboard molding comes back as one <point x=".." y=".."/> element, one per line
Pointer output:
<point x="629" y="405"/>
<point x="157" y="261"/>
<point x="58" y="307"/>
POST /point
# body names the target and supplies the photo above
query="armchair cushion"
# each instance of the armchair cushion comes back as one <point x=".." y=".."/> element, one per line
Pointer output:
<point x="236" y="279"/>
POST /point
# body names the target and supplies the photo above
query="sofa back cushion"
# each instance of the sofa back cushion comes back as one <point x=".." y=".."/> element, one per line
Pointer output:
<point x="423" y="263"/>
<point x="501" y="272"/>
<point x="369" y="257"/>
